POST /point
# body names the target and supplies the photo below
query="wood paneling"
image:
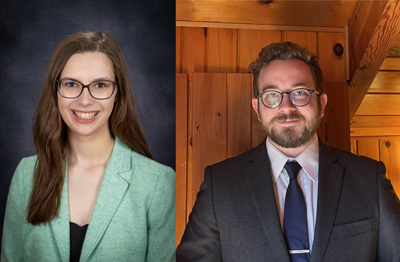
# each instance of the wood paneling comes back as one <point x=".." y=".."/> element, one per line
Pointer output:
<point x="395" y="50"/>
<point x="385" y="149"/>
<point x="250" y="43"/>
<point x="181" y="153"/>
<point x="260" y="27"/>
<point x="304" y="39"/>
<point x="369" y="148"/>
<point x="391" y="63"/>
<point x="377" y="104"/>
<point x="257" y="133"/>
<point x="334" y="128"/>
<point x="221" y="50"/>
<point x="376" y="121"/>
<point x="193" y="50"/>
<point x="209" y="123"/>
<point x="363" y="126"/>
<point x="374" y="131"/>
<point x="390" y="155"/>
<point x="333" y="67"/>
<point x="353" y="143"/>
<point x="386" y="82"/>
<point x="299" y="13"/>
<point x="239" y="114"/>
<point x="189" y="188"/>
<point x="178" y="49"/>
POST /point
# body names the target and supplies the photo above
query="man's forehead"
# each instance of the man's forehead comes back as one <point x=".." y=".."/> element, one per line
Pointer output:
<point x="293" y="73"/>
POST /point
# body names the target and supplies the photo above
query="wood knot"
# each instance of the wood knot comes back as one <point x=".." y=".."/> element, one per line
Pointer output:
<point x="338" y="49"/>
<point x="265" y="2"/>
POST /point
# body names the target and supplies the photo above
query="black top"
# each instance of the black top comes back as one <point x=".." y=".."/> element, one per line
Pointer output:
<point x="76" y="238"/>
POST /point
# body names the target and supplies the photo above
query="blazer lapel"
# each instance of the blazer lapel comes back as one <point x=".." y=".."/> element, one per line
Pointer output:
<point x="60" y="224"/>
<point x="110" y="195"/>
<point x="259" y="178"/>
<point x="330" y="176"/>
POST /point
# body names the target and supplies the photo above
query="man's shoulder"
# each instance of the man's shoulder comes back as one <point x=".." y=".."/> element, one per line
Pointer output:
<point x="344" y="155"/>
<point x="349" y="160"/>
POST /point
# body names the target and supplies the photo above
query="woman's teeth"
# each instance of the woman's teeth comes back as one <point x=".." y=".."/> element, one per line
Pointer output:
<point x="85" y="115"/>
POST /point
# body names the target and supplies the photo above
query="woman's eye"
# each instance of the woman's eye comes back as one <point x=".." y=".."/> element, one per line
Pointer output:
<point x="70" y="84"/>
<point x="100" y="85"/>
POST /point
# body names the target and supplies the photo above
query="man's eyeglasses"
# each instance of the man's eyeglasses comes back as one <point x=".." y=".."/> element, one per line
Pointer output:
<point x="101" y="89"/>
<point x="298" y="97"/>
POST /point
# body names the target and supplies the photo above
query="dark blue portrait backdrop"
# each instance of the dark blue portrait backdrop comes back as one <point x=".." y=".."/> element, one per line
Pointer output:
<point x="29" y="33"/>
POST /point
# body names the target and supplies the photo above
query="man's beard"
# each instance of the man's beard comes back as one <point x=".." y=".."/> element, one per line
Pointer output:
<point x="289" y="137"/>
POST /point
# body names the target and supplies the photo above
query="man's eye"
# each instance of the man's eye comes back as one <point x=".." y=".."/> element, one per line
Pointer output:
<point x="272" y="95"/>
<point x="299" y="92"/>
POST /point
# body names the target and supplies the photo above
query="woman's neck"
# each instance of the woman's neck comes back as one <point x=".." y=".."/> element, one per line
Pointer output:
<point x="91" y="151"/>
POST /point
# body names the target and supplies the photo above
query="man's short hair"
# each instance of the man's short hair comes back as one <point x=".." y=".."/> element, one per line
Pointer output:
<point x="286" y="51"/>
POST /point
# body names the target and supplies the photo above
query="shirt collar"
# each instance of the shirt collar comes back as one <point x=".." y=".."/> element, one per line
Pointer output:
<point x="308" y="159"/>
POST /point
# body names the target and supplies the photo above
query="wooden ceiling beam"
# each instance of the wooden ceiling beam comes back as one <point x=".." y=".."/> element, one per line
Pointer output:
<point x="300" y="13"/>
<point x="369" y="42"/>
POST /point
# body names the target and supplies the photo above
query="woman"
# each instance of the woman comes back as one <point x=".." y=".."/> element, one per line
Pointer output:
<point x="92" y="193"/>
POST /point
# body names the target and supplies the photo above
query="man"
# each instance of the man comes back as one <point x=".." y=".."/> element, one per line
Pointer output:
<point x="293" y="198"/>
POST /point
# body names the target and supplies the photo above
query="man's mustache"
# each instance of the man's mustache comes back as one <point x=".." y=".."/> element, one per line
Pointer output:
<point x="286" y="117"/>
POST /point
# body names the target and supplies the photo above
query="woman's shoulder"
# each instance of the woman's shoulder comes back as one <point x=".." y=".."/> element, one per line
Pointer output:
<point x="25" y="168"/>
<point x="149" y="165"/>
<point x="22" y="180"/>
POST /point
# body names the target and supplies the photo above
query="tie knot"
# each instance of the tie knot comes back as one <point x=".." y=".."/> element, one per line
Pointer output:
<point x="292" y="169"/>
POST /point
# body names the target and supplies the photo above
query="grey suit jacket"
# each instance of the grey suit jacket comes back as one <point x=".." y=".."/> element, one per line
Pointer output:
<point x="235" y="217"/>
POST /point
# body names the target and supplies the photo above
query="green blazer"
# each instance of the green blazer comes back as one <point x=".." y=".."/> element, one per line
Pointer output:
<point x="133" y="218"/>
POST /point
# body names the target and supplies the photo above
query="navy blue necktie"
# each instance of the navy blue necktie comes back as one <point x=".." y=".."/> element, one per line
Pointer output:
<point x="295" y="217"/>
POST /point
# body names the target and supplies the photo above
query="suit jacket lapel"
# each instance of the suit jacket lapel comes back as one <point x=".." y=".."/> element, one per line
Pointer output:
<point x="110" y="195"/>
<point x="60" y="224"/>
<point x="259" y="178"/>
<point x="330" y="176"/>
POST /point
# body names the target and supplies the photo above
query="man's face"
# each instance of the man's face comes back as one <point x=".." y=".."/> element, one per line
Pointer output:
<point x="289" y="126"/>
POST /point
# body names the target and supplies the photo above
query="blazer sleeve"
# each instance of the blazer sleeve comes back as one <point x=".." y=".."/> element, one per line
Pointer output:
<point x="161" y="219"/>
<point x="11" y="249"/>
<point x="201" y="240"/>
<point x="389" y="219"/>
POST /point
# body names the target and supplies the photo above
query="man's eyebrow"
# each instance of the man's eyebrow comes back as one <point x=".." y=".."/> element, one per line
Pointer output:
<point x="269" y="87"/>
<point x="266" y="88"/>
<point x="300" y="85"/>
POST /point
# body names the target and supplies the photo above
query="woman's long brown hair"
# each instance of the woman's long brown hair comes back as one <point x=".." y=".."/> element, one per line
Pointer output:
<point x="49" y="129"/>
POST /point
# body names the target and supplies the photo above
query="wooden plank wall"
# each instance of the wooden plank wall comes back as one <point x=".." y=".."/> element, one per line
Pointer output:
<point x="221" y="99"/>
<point x="382" y="148"/>
<point x="375" y="128"/>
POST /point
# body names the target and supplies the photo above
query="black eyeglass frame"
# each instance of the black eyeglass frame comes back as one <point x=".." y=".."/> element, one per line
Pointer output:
<point x="58" y="81"/>
<point x="288" y="93"/>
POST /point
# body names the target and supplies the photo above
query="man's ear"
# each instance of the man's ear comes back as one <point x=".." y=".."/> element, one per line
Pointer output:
<point x="254" y="103"/>
<point x="323" y="98"/>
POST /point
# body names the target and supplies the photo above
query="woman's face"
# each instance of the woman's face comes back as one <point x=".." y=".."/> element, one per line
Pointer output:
<point x="85" y="116"/>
